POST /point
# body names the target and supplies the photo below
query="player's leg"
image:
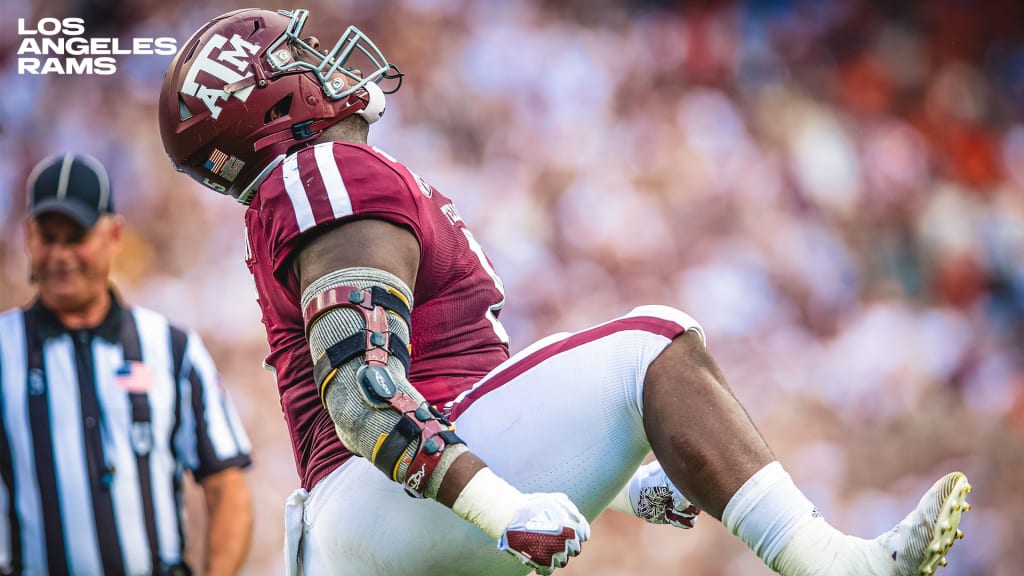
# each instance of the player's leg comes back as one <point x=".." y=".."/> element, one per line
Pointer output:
<point x="713" y="453"/>
<point x="701" y="434"/>
<point x="565" y="414"/>
<point x="561" y="416"/>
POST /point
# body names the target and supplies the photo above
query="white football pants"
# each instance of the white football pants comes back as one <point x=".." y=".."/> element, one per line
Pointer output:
<point x="564" y="415"/>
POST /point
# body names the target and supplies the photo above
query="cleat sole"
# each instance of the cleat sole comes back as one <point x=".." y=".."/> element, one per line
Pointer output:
<point x="946" y="526"/>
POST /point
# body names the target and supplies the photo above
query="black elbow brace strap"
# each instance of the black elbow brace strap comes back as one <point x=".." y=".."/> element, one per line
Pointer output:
<point x="419" y="421"/>
<point x="376" y="343"/>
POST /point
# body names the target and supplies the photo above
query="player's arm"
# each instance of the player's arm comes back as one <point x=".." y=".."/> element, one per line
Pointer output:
<point x="357" y="280"/>
<point x="229" y="521"/>
<point x="368" y="245"/>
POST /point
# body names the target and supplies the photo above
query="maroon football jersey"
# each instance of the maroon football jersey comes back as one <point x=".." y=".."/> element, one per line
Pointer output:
<point x="456" y="338"/>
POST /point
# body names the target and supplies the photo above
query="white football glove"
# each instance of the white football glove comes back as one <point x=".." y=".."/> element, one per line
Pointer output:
<point x="546" y="531"/>
<point x="653" y="497"/>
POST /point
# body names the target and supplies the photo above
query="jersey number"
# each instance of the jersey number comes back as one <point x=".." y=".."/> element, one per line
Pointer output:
<point x="492" y="311"/>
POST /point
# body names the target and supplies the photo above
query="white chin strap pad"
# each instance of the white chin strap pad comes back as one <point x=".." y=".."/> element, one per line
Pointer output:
<point x="375" y="107"/>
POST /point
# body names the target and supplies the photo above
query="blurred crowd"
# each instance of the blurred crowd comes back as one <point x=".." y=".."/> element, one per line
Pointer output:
<point x="835" y="190"/>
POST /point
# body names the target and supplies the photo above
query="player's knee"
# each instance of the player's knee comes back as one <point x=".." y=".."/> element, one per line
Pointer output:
<point x="685" y="364"/>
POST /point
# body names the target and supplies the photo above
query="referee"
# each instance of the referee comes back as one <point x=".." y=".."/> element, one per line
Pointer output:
<point x="103" y="406"/>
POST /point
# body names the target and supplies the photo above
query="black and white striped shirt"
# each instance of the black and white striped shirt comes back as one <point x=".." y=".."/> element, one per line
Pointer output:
<point x="96" y="429"/>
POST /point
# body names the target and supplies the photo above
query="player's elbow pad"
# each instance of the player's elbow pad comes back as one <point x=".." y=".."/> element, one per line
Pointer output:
<point x="357" y="323"/>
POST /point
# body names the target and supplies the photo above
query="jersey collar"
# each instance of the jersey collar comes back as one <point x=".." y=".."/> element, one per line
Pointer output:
<point x="51" y="327"/>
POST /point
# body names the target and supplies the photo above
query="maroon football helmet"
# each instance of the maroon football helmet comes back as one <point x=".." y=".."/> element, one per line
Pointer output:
<point x="245" y="88"/>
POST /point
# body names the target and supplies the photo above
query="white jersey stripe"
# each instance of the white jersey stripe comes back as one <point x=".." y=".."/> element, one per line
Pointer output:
<point x="297" y="193"/>
<point x="125" y="493"/>
<point x="5" y="528"/>
<point x="341" y="203"/>
<point x="225" y="440"/>
<point x="156" y="352"/>
<point x="76" y="505"/>
<point x="15" y="421"/>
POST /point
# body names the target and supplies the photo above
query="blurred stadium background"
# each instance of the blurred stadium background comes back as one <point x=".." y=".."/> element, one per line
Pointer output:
<point x="834" y="189"/>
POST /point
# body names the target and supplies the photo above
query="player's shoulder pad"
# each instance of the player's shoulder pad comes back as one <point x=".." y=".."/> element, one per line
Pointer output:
<point x="365" y="153"/>
<point x="369" y="170"/>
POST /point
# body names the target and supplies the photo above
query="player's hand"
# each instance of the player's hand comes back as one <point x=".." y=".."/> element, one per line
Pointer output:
<point x="656" y="499"/>
<point x="545" y="532"/>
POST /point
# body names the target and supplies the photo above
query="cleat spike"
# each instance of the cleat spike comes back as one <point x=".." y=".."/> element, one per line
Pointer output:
<point x="935" y="525"/>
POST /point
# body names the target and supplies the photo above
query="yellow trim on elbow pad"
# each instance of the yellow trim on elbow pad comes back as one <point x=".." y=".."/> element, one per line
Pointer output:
<point x="398" y="464"/>
<point x="400" y="296"/>
<point x="323" y="387"/>
<point x="376" y="447"/>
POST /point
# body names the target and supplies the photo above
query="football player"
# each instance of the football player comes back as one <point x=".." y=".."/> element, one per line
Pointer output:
<point x="381" y="311"/>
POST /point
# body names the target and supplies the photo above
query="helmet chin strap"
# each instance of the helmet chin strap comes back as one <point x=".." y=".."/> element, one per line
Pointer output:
<point x="375" y="104"/>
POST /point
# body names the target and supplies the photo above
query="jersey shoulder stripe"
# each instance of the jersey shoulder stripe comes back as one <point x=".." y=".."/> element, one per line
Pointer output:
<point x="328" y="183"/>
<point x="334" y="184"/>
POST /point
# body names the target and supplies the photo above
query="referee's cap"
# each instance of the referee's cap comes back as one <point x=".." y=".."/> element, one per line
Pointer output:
<point x="75" y="185"/>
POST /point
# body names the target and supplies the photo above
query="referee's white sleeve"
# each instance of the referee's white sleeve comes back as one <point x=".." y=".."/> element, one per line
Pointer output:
<point x="211" y="437"/>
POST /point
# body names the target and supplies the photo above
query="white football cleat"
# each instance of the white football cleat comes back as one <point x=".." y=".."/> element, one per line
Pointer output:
<point x="920" y="542"/>
<point x="917" y="546"/>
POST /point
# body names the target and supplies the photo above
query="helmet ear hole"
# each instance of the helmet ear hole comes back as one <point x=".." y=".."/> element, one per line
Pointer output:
<point x="282" y="108"/>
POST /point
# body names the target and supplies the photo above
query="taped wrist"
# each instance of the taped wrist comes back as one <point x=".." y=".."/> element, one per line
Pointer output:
<point x="357" y="324"/>
<point x="489" y="502"/>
